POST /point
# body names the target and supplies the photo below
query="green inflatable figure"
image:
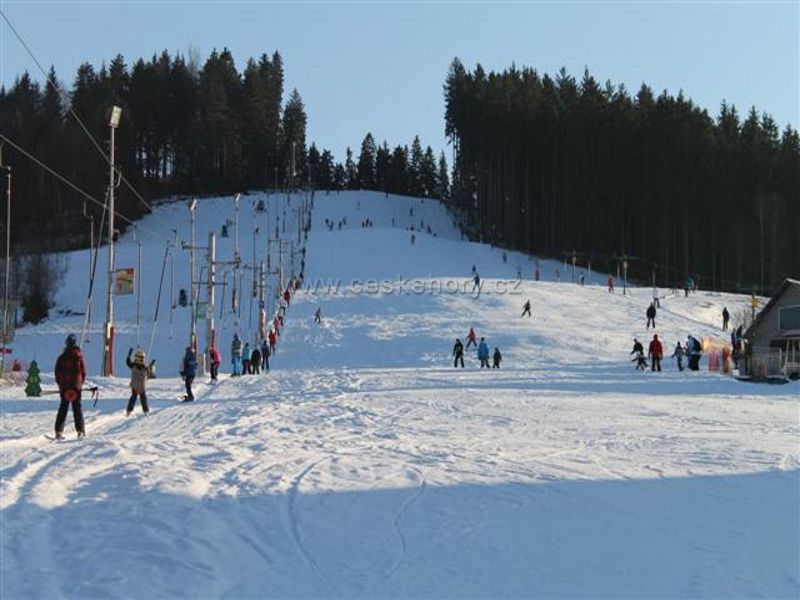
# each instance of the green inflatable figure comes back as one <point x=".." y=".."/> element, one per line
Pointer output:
<point x="34" y="387"/>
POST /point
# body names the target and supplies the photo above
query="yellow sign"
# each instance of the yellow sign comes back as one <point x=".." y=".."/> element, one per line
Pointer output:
<point x="124" y="281"/>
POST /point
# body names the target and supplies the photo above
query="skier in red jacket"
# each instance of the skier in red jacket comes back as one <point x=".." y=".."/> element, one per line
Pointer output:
<point x="655" y="351"/>
<point x="471" y="338"/>
<point x="272" y="341"/>
<point x="70" y="374"/>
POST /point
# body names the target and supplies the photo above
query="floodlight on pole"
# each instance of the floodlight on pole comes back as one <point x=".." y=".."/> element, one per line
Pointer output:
<point x="108" y="337"/>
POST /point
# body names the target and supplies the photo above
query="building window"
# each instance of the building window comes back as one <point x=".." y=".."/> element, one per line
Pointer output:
<point x="789" y="318"/>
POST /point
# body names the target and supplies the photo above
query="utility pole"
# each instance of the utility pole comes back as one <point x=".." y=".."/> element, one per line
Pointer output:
<point x="108" y="341"/>
<point x="138" y="291"/>
<point x="210" y="329"/>
<point x="172" y="287"/>
<point x="7" y="169"/>
<point x="193" y="335"/>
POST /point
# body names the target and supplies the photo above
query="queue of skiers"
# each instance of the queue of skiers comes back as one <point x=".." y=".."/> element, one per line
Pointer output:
<point x="482" y="349"/>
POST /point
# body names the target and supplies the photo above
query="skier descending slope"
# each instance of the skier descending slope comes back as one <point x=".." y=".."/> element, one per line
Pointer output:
<point x="70" y="372"/>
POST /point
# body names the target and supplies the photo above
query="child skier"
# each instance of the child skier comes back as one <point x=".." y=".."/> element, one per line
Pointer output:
<point x="483" y="353"/>
<point x="139" y="376"/>
<point x="496" y="358"/>
<point x="471" y="338"/>
<point x="640" y="360"/>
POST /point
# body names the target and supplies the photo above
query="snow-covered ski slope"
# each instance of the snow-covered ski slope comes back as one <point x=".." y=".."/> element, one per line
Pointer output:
<point x="364" y="465"/>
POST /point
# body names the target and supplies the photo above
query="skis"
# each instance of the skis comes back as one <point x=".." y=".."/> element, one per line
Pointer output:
<point x="53" y="438"/>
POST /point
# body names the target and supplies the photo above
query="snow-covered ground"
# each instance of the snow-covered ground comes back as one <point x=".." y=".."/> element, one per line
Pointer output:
<point x="364" y="465"/>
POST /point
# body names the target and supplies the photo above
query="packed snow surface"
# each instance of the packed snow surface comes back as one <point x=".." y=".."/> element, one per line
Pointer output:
<point x="364" y="464"/>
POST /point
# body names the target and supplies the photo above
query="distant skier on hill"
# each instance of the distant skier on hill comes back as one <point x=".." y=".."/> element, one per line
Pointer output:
<point x="726" y="316"/>
<point x="458" y="353"/>
<point x="483" y="353"/>
<point x="265" y="355"/>
<point x="611" y="284"/>
<point x="318" y="315"/>
<point x="272" y="339"/>
<point x="526" y="309"/>
<point x="476" y="283"/>
<point x="472" y="338"/>
<point x="255" y="361"/>
<point x="496" y="358"/>
<point x="651" y="315"/>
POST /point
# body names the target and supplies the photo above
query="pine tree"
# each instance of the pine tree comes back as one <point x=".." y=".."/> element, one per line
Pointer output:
<point x="33" y="387"/>
<point x="442" y="180"/>
<point x="366" y="163"/>
<point x="350" y="171"/>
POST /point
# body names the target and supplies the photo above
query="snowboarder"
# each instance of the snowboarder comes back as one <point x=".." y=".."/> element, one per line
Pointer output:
<point x="483" y="353"/>
<point x="651" y="315"/>
<point x="726" y="316"/>
<point x="526" y="309"/>
<point x="318" y="315"/>
<point x="255" y="361"/>
<point x="246" y="359"/>
<point x="655" y="352"/>
<point x="139" y="375"/>
<point x="188" y="371"/>
<point x="496" y="358"/>
<point x="236" y="356"/>
<point x="70" y="372"/>
<point x="264" y="355"/>
<point x="215" y="359"/>
<point x="458" y="353"/>
<point x="471" y="338"/>
<point x="678" y="355"/>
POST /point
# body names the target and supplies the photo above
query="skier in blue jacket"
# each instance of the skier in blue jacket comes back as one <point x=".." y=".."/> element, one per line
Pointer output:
<point x="483" y="353"/>
<point x="188" y="371"/>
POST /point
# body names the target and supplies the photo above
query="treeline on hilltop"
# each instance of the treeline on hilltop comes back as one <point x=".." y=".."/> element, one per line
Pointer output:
<point x="186" y="129"/>
<point x="554" y="166"/>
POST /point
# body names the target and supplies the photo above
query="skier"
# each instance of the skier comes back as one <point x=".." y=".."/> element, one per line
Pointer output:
<point x="678" y="355"/>
<point x="70" y="372"/>
<point x="246" y="359"/>
<point x="694" y="352"/>
<point x="272" y="340"/>
<point x="318" y="315"/>
<point x="255" y="361"/>
<point x="640" y="360"/>
<point x="526" y="309"/>
<point x="188" y="371"/>
<point x="637" y="347"/>
<point x="496" y="358"/>
<point x="471" y="337"/>
<point x="476" y="283"/>
<point x="651" y="315"/>
<point x="611" y="284"/>
<point x="483" y="353"/>
<point x="655" y="352"/>
<point x="726" y="316"/>
<point x="236" y="355"/>
<point x="139" y="375"/>
<point x="458" y="352"/>
<point x="215" y="359"/>
<point x="264" y="355"/>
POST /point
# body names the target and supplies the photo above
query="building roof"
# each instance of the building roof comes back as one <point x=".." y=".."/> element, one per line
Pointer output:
<point x="786" y="284"/>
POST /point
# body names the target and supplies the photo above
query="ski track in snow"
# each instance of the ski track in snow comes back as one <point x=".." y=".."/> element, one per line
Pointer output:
<point x="364" y="465"/>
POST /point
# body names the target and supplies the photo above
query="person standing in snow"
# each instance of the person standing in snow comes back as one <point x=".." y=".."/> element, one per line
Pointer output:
<point x="476" y="283"/>
<point x="526" y="309"/>
<point x="255" y="361"/>
<point x="246" y="359"/>
<point x="655" y="351"/>
<point x="215" y="359"/>
<point x="318" y="315"/>
<point x="458" y="353"/>
<point x="236" y="355"/>
<point x="264" y="355"/>
<point x="651" y="315"/>
<point x="678" y="355"/>
<point x="188" y="372"/>
<point x="139" y="373"/>
<point x="496" y="358"/>
<point x="726" y="316"/>
<point x="483" y="353"/>
<point x="70" y="372"/>
<point x="472" y="338"/>
<point x="272" y="341"/>
<point x="610" y="284"/>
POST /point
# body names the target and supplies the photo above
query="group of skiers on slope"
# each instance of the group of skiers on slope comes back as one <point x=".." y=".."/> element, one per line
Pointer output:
<point x="691" y="351"/>
<point x="482" y="349"/>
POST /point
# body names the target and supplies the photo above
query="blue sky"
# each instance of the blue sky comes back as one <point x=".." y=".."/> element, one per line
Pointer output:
<point x="380" y="66"/>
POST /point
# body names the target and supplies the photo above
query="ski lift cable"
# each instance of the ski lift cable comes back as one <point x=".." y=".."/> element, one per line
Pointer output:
<point x="90" y="293"/>
<point x="64" y="180"/>
<point x="158" y="299"/>
<point x="77" y="118"/>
